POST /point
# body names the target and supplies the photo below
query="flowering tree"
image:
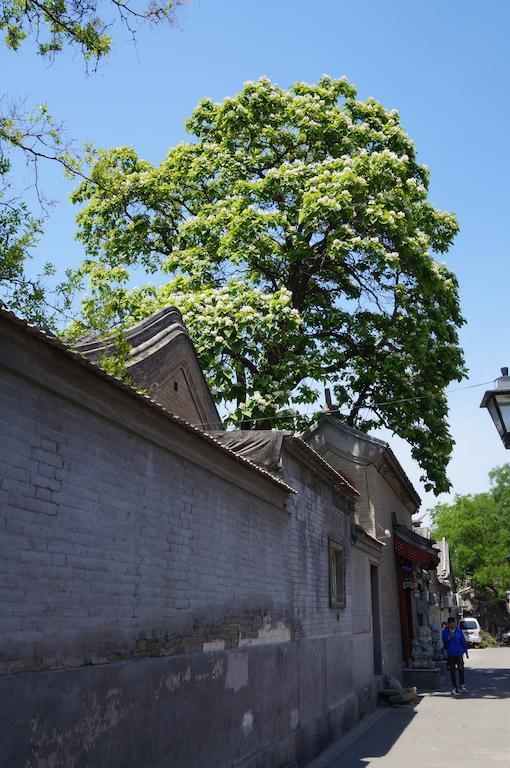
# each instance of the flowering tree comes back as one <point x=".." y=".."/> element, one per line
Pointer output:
<point x="295" y="234"/>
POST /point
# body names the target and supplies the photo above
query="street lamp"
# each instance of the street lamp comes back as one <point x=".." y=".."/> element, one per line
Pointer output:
<point x="497" y="402"/>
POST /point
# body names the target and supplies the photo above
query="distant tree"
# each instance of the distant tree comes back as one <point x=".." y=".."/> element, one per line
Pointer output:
<point x="477" y="528"/>
<point x="55" y="24"/>
<point x="295" y="234"/>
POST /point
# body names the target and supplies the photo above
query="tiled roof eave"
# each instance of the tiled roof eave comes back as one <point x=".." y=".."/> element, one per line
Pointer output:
<point x="338" y="479"/>
<point x="56" y="344"/>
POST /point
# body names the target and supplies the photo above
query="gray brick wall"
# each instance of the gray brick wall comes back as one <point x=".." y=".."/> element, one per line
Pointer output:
<point x="377" y="507"/>
<point x="113" y="545"/>
<point x="375" y="510"/>
<point x="123" y="535"/>
<point x="388" y="504"/>
<point x="317" y="513"/>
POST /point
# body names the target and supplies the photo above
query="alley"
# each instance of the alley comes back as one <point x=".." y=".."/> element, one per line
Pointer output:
<point x="469" y="732"/>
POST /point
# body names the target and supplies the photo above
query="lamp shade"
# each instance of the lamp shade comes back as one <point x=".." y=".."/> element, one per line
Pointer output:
<point x="497" y="402"/>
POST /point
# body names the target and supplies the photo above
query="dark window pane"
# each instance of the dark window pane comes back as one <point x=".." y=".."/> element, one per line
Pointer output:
<point x="339" y="572"/>
<point x="336" y="574"/>
<point x="468" y="624"/>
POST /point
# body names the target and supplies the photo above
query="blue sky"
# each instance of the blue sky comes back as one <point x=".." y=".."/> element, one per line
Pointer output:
<point x="444" y="66"/>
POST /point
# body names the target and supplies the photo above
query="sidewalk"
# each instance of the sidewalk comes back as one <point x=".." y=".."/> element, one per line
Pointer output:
<point x="472" y="731"/>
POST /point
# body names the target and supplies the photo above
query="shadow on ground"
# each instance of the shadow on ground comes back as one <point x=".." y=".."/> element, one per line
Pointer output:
<point x="485" y="681"/>
<point x="481" y="683"/>
<point x="376" y="741"/>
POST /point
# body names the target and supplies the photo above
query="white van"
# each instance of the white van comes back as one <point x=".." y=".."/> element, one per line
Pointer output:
<point x="471" y="629"/>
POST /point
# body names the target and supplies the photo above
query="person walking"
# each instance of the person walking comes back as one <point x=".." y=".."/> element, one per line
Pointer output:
<point x="456" y="646"/>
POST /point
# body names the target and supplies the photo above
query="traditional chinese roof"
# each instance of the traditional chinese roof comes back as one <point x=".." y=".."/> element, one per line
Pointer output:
<point x="415" y="548"/>
<point x="162" y="361"/>
<point x="78" y="359"/>
<point x="364" y="540"/>
<point x="373" y="451"/>
<point x="264" y="448"/>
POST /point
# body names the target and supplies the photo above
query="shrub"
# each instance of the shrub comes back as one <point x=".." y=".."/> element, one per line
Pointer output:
<point x="488" y="640"/>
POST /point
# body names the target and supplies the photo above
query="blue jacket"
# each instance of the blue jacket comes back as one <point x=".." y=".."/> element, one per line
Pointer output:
<point x="455" y="644"/>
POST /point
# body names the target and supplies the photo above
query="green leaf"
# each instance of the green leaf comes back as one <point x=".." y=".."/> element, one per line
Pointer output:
<point x="295" y="234"/>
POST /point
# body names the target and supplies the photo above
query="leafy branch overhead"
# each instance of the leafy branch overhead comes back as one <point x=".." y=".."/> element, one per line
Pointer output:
<point x="295" y="233"/>
<point x="32" y="136"/>
<point x="87" y="26"/>
<point x="27" y="138"/>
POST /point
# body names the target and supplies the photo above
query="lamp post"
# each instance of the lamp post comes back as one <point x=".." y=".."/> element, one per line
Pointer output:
<point x="497" y="402"/>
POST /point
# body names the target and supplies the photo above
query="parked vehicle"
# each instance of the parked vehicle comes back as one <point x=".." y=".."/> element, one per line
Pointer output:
<point x="505" y="637"/>
<point x="471" y="629"/>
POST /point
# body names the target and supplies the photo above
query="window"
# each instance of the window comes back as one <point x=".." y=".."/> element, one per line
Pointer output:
<point x="336" y="574"/>
<point x="469" y="624"/>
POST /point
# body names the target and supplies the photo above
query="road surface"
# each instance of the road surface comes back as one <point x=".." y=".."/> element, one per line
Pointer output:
<point x="471" y="731"/>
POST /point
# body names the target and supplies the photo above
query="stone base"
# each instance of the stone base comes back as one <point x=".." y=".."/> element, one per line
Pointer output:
<point x="423" y="679"/>
<point x="148" y="712"/>
<point x="405" y="697"/>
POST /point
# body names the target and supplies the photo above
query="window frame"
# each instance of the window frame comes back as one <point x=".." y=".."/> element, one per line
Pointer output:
<point x="335" y="548"/>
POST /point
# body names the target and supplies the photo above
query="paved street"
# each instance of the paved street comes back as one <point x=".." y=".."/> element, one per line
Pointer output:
<point x="472" y="731"/>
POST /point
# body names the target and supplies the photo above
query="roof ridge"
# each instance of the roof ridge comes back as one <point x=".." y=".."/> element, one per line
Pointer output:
<point x="82" y="360"/>
<point x="298" y="440"/>
<point x="142" y="334"/>
<point x="386" y="449"/>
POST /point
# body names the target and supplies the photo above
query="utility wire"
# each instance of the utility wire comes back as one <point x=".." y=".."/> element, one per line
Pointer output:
<point x="345" y="412"/>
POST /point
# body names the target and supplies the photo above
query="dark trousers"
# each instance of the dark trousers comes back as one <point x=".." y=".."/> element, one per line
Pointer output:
<point x="456" y="662"/>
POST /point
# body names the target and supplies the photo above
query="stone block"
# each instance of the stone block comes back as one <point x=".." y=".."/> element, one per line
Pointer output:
<point x="423" y="679"/>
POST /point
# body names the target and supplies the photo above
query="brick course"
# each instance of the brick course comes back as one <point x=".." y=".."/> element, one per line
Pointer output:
<point x="115" y="545"/>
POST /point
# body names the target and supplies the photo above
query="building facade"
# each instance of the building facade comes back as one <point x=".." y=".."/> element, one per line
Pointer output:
<point x="385" y="509"/>
<point x="165" y="599"/>
<point x="441" y="587"/>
